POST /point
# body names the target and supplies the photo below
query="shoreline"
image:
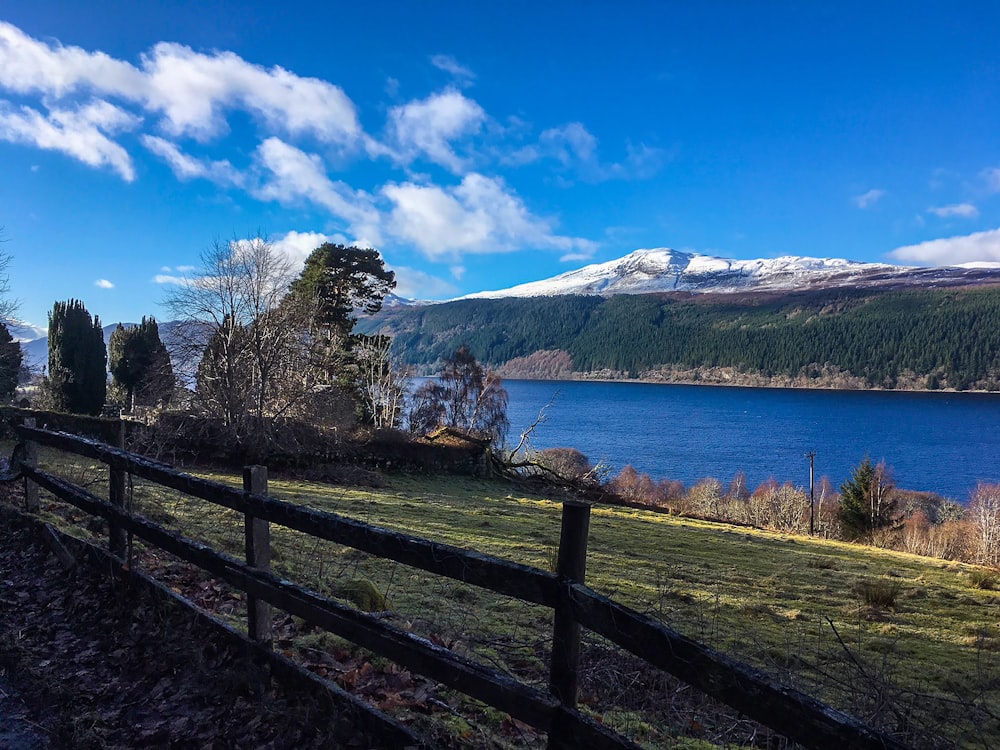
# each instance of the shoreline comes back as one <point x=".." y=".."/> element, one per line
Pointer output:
<point x="814" y="384"/>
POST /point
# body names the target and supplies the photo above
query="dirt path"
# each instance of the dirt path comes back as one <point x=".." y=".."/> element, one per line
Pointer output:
<point x="97" y="665"/>
<point x="17" y="732"/>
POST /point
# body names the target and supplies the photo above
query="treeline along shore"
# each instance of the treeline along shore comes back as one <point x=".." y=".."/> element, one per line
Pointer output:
<point x="908" y="339"/>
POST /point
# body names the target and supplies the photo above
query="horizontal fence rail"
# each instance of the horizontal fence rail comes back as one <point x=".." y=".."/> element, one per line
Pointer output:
<point x="107" y="429"/>
<point x="501" y="576"/>
<point x="521" y="701"/>
<point x="784" y="709"/>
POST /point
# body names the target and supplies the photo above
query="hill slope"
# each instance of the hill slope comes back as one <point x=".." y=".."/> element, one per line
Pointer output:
<point x="909" y="338"/>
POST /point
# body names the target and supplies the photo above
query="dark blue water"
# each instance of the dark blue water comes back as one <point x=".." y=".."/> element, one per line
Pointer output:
<point x="940" y="442"/>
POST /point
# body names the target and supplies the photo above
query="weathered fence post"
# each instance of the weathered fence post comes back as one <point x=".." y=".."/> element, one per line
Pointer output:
<point x="31" y="503"/>
<point x="116" y="495"/>
<point x="258" y="549"/>
<point x="571" y="566"/>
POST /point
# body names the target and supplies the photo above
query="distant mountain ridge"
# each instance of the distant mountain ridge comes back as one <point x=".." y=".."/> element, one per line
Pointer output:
<point x="36" y="350"/>
<point x="671" y="316"/>
<point x="25" y="332"/>
<point x="650" y="271"/>
<point x="913" y="337"/>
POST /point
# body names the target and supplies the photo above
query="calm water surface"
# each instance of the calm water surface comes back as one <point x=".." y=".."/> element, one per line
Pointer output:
<point x="941" y="442"/>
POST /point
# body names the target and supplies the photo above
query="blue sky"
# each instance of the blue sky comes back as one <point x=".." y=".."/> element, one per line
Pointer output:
<point x="481" y="145"/>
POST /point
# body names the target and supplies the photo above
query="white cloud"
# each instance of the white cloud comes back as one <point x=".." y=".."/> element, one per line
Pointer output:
<point x="187" y="167"/>
<point x="414" y="284"/>
<point x="457" y="272"/>
<point x="298" y="245"/>
<point x="576" y="148"/>
<point x="965" y="210"/>
<point x="569" y="143"/>
<point x="429" y="126"/>
<point x="81" y="133"/>
<point x="951" y="251"/>
<point x="449" y="64"/>
<point x="175" y="93"/>
<point x="190" y="89"/>
<point x="168" y="275"/>
<point x="481" y="215"/>
<point x="868" y="199"/>
<point x="576" y="257"/>
<point x="992" y="177"/>
<point x="30" y="66"/>
<point x="291" y="175"/>
<point x="104" y="284"/>
<point x="644" y="161"/>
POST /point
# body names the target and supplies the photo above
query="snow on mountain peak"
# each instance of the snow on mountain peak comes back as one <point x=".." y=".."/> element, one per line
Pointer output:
<point x="663" y="269"/>
<point x="23" y="332"/>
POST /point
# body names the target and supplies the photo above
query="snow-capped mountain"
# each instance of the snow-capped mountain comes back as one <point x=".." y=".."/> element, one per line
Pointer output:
<point x="36" y="351"/>
<point x="666" y="270"/>
<point x="24" y="332"/>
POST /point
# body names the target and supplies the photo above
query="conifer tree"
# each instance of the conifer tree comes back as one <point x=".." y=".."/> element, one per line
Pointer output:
<point x="10" y="363"/>
<point x="140" y="364"/>
<point x="77" y="380"/>
<point x="339" y="280"/>
<point x="867" y="500"/>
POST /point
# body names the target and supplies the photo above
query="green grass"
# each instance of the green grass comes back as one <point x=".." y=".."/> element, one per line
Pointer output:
<point x="845" y="622"/>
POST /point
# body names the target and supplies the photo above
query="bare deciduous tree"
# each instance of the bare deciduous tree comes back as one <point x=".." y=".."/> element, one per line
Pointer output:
<point x="466" y="396"/>
<point x="382" y="380"/>
<point x="8" y="306"/>
<point x="984" y="511"/>
<point x="239" y="339"/>
<point x="705" y="497"/>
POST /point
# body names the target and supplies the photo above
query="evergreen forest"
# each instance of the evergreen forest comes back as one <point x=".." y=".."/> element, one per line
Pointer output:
<point x="943" y="337"/>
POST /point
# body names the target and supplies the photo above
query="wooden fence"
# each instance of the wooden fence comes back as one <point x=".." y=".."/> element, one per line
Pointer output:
<point x="575" y="605"/>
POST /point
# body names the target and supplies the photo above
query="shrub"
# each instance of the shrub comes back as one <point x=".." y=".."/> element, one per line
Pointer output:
<point x="984" y="579"/>
<point x="705" y="497"/>
<point x="822" y="563"/>
<point x="568" y="463"/>
<point x="879" y="593"/>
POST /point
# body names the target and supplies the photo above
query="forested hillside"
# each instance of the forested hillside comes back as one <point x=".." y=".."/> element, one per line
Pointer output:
<point x="903" y="338"/>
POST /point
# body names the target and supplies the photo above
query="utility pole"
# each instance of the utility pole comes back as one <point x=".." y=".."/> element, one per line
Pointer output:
<point x="811" y="455"/>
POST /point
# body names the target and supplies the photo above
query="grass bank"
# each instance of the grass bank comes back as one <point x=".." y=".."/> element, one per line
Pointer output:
<point x="894" y="638"/>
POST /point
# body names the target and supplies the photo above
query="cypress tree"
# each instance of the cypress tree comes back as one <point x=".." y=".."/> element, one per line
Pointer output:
<point x="77" y="380"/>
<point x="140" y="364"/>
<point x="10" y="363"/>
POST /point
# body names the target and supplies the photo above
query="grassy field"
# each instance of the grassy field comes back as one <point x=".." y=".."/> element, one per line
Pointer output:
<point x="894" y="638"/>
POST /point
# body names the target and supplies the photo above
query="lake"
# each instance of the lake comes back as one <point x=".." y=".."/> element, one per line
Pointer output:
<point x="940" y="442"/>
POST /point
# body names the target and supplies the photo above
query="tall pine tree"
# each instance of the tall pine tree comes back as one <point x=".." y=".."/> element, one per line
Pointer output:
<point x="78" y="378"/>
<point x="339" y="280"/>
